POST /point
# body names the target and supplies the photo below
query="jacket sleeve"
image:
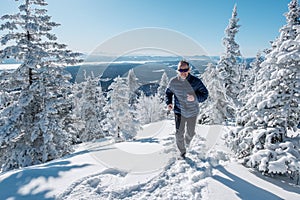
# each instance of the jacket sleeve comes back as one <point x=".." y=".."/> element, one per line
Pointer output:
<point x="169" y="96"/>
<point x="201" y="92"/>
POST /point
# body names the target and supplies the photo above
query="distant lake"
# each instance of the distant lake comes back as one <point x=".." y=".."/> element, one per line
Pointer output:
<point x="148" y="70"/>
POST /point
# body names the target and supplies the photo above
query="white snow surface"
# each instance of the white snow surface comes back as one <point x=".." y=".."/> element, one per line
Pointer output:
<point x="147" y="168"/>
<point x="9" y="66"/>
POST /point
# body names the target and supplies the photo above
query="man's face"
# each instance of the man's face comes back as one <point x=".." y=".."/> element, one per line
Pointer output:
<point x="184" y="71"/>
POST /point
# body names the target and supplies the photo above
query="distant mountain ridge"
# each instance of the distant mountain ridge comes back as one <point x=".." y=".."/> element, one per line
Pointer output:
<point x="148" y="69"/>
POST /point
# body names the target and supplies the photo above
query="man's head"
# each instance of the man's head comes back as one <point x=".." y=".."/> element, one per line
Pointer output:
<point x="183" y="69"/>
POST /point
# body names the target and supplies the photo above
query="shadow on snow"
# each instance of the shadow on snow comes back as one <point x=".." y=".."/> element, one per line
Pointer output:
<point x="283" y="182"/>
<point x="25" y="184"/>
<point x="147" y="140"/>
<point x="244" y="189"/>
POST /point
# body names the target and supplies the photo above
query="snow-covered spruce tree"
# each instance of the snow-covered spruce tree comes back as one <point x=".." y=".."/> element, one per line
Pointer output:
<point x="33" y="129"/>
<point x="213" y="110"/>
<point x="119" y="121"/>
<point x="89" y="102"/>
<point x="228" y="67"/>
<point x="261" y="138"/>
<point x="163" y="84"/>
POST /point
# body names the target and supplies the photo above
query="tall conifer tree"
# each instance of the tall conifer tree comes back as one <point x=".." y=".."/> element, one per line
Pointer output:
<point x="273" y="107"/>
<point x="228" y="67"/>
<point x="33" y="129"/>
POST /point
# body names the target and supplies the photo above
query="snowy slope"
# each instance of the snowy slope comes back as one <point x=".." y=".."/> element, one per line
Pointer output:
<point x="147" y="168"/>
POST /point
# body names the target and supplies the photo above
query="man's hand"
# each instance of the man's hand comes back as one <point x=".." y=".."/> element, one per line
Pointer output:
<point x="190" y="97"/>
<point x="170" y="107"/>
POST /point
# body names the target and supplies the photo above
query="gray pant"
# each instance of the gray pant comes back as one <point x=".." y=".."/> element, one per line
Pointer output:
<point x="182" y="138"/>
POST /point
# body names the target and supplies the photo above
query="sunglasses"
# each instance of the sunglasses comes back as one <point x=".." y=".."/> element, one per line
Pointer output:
<point x="184" y="70"/>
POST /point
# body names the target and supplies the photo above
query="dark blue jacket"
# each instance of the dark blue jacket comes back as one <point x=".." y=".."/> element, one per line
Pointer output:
<point x="179" y="88"/>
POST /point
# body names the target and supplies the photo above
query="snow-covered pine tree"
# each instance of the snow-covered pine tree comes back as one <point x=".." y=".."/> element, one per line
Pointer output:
<point x="228" y="67"/>
<point x="212" y="111"/>
<point x="33" y="129"/>
<point x="261" y="139"/>
<point x="133" y="86"/>
<point x="255" y="66"/>
<point x="152" y="108"/>
<point x="77" y="89"/>
<point x="28" y="39"/>
<point x="132" y="81"/>
<point x="163" y="84"/>
<point x="89" y="102"/>
<point x="119" y="121"/>
<point x="248" y="76"/>
<point x="5" y="99"/>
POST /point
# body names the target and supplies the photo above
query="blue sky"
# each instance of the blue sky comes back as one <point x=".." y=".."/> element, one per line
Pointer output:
<point x="86" y="24"/>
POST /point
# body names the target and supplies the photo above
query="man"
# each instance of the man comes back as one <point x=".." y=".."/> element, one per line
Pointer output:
<point x="188" y="92"/>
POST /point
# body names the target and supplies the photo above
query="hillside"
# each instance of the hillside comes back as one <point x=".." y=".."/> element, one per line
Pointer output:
<point x="147" y="168"/>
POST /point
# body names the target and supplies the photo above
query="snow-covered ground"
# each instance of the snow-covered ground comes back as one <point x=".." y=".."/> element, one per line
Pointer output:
<point x="147" y="168"/>
<point x="9" y="66"/>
